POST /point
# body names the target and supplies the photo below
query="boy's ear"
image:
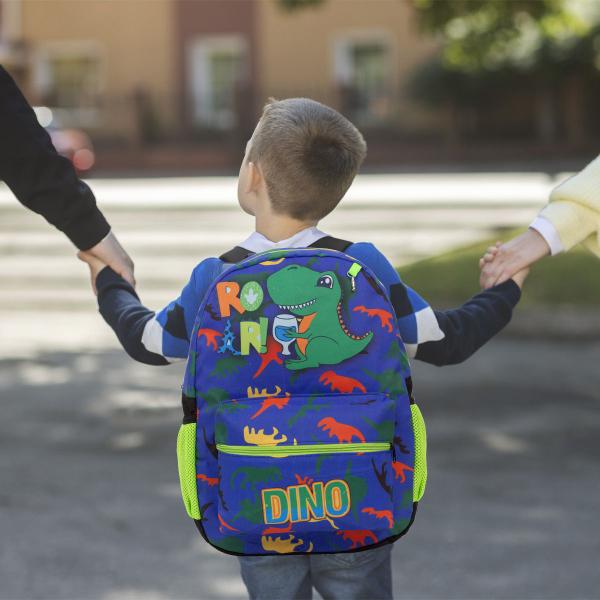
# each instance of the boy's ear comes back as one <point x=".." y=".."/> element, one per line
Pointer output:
<point x="256" y="178"/>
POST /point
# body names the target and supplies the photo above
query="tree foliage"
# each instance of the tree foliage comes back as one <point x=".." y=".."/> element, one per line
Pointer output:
<point x="293" y="5"/>
<point x="483" y="35"/>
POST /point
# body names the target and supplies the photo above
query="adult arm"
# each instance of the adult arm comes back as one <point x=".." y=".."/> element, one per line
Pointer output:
<point x="39" y="177"/>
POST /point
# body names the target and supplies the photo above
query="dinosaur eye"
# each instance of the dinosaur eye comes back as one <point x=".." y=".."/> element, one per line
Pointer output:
<point x="325" y="281"/>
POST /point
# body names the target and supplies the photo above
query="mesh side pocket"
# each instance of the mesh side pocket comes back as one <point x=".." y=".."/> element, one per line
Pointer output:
<point x="420" y="475"/>
<point x="186" y="464"/>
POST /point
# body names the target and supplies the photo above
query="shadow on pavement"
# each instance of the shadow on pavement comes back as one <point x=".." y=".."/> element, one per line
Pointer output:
<point x="89" y="497"/>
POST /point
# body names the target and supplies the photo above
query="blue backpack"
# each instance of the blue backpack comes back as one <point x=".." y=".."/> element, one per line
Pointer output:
<point x="300" y="434"/>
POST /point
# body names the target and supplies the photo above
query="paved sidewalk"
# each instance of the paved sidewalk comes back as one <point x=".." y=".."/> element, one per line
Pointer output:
<point x="90" y="508"/>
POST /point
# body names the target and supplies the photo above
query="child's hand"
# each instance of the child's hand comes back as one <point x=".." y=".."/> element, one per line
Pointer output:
<point x="95" y="265"/>
<point x="520" y="276"/>
<point x="491" y="261"/>
<point x="502" y="261"/>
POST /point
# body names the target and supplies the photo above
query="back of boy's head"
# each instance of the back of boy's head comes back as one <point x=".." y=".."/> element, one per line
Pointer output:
<point x="309" y="155"/>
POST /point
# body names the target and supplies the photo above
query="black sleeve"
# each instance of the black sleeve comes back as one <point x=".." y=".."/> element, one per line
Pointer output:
<point x="121" y="308"/>
<point x="39" y="177"/>
<point x="469" y="327"/>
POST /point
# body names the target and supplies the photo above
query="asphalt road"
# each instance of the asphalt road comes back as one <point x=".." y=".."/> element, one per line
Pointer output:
<point x="89" y="498"/>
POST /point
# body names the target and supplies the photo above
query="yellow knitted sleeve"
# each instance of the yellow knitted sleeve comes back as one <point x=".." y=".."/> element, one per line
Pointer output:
<point x="574" y="208"/>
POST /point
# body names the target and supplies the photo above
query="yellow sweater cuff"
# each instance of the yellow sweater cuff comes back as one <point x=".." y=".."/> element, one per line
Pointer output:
<point x="573" y="222"/>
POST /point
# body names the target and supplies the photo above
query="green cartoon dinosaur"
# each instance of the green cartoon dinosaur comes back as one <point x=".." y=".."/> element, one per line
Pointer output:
<point x="316" y="298"/>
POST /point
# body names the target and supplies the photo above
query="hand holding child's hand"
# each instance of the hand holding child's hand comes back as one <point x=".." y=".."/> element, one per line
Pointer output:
<point x="503" y="262"/>
<point x="492" y="262"/>
<point x="95" y="265"/>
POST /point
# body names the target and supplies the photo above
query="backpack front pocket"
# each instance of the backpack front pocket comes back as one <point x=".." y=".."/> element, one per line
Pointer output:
<point x="318" y="473"/>
<point x="330" y="499"/>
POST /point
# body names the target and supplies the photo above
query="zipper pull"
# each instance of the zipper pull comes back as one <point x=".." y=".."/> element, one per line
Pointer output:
<point x="393" y="452"/>
<point x="352" y="273"/>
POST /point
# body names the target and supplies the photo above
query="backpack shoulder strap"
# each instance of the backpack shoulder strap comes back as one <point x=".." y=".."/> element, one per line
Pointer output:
<point x="235" y="255"/>
<point x="331" y="243"/>
<point x="238" y="254"/>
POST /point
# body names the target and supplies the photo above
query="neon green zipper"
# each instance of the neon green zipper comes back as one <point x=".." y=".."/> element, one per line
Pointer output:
<point x="300" y="449"/>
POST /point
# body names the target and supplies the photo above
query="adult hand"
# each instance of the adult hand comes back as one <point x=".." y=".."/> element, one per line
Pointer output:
<point x="501" y="264"/>
<point x="111" y="253"/>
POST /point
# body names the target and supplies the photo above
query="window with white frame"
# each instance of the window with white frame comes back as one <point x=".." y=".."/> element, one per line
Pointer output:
<point x="362" y="70"/>
<point x="68" y="78"/>
<point x="216" y="70"/>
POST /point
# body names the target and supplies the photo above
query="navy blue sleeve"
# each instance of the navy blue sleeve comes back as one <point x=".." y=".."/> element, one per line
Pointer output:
<point x="469" y="327"/>
<point x="149" y="337"/>
<point x="121" y="308"/>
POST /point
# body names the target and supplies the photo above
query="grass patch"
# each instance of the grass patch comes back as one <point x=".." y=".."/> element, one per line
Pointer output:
<point x="571" y="279"/>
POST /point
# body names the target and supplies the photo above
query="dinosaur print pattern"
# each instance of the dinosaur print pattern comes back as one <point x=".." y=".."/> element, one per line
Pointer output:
<point x="385" y="317"/>
<point x="344" y="433"/>
<point x="340" y="383"/>
<point x="306" y="416"/>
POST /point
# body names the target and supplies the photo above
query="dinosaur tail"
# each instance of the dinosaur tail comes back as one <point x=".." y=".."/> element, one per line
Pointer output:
<point x="366" y="336"/>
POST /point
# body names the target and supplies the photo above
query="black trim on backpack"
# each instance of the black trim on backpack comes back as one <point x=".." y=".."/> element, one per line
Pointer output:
<point x="409" y="389"/>
<point x="238" y="254"/>
<point x="189" y="409"/>
<point x="331" y="243"/>
<point x="385" y="542"/>
<point x="235" y="255"/>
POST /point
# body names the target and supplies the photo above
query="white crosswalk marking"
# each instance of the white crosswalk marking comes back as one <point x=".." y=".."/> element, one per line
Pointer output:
<point x="45" y="298"/>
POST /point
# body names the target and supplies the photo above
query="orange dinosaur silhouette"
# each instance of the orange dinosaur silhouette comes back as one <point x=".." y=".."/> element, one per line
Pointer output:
<point x="276" y="530"/>
<point x="212" y="481"/>
<point x="380" y="514"/>
<point x="277" y="402"/>
<point x="304" y="480"/>
<point x="272" y="354"/>
<point x="343" y="432"/>
<point x="211" y="336"/>
<point x="225" y="524"/>
<point x="385" y="317"/>
<point x="358" y="537"/>
<point x="399" y="470"/>
<point x="340" y="383"/>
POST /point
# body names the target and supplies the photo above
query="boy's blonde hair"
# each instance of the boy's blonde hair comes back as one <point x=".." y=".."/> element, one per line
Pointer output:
<point x="309" y="154"/>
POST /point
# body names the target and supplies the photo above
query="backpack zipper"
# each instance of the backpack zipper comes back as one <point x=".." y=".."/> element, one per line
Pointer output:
<point x="301" y="449"/>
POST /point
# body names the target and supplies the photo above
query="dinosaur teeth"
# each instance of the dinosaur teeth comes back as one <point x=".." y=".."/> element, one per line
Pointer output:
<point x="296" y="306"/>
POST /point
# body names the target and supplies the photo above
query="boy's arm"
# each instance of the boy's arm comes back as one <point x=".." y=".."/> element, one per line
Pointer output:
<point x="152" y="338"/>
<point x="472" y="325"/>
<point x="441" y="337"/>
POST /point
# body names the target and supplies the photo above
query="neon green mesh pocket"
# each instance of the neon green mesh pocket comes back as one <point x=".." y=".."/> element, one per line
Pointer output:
<point x="420" y="475"/>
<point x="186" y="464"/>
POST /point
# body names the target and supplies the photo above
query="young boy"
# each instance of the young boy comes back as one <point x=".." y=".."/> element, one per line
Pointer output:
<point x="298" y="165"/>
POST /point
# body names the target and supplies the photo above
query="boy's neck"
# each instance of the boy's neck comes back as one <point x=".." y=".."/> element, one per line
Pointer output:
<point x="280" y="227"/>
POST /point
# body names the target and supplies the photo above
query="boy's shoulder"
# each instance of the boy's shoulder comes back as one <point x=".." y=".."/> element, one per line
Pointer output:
<point x="371" y="256"/>
<point x="206" y="271"/>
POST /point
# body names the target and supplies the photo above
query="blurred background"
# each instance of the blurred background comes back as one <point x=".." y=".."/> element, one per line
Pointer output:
<point x="472" y="111"/>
